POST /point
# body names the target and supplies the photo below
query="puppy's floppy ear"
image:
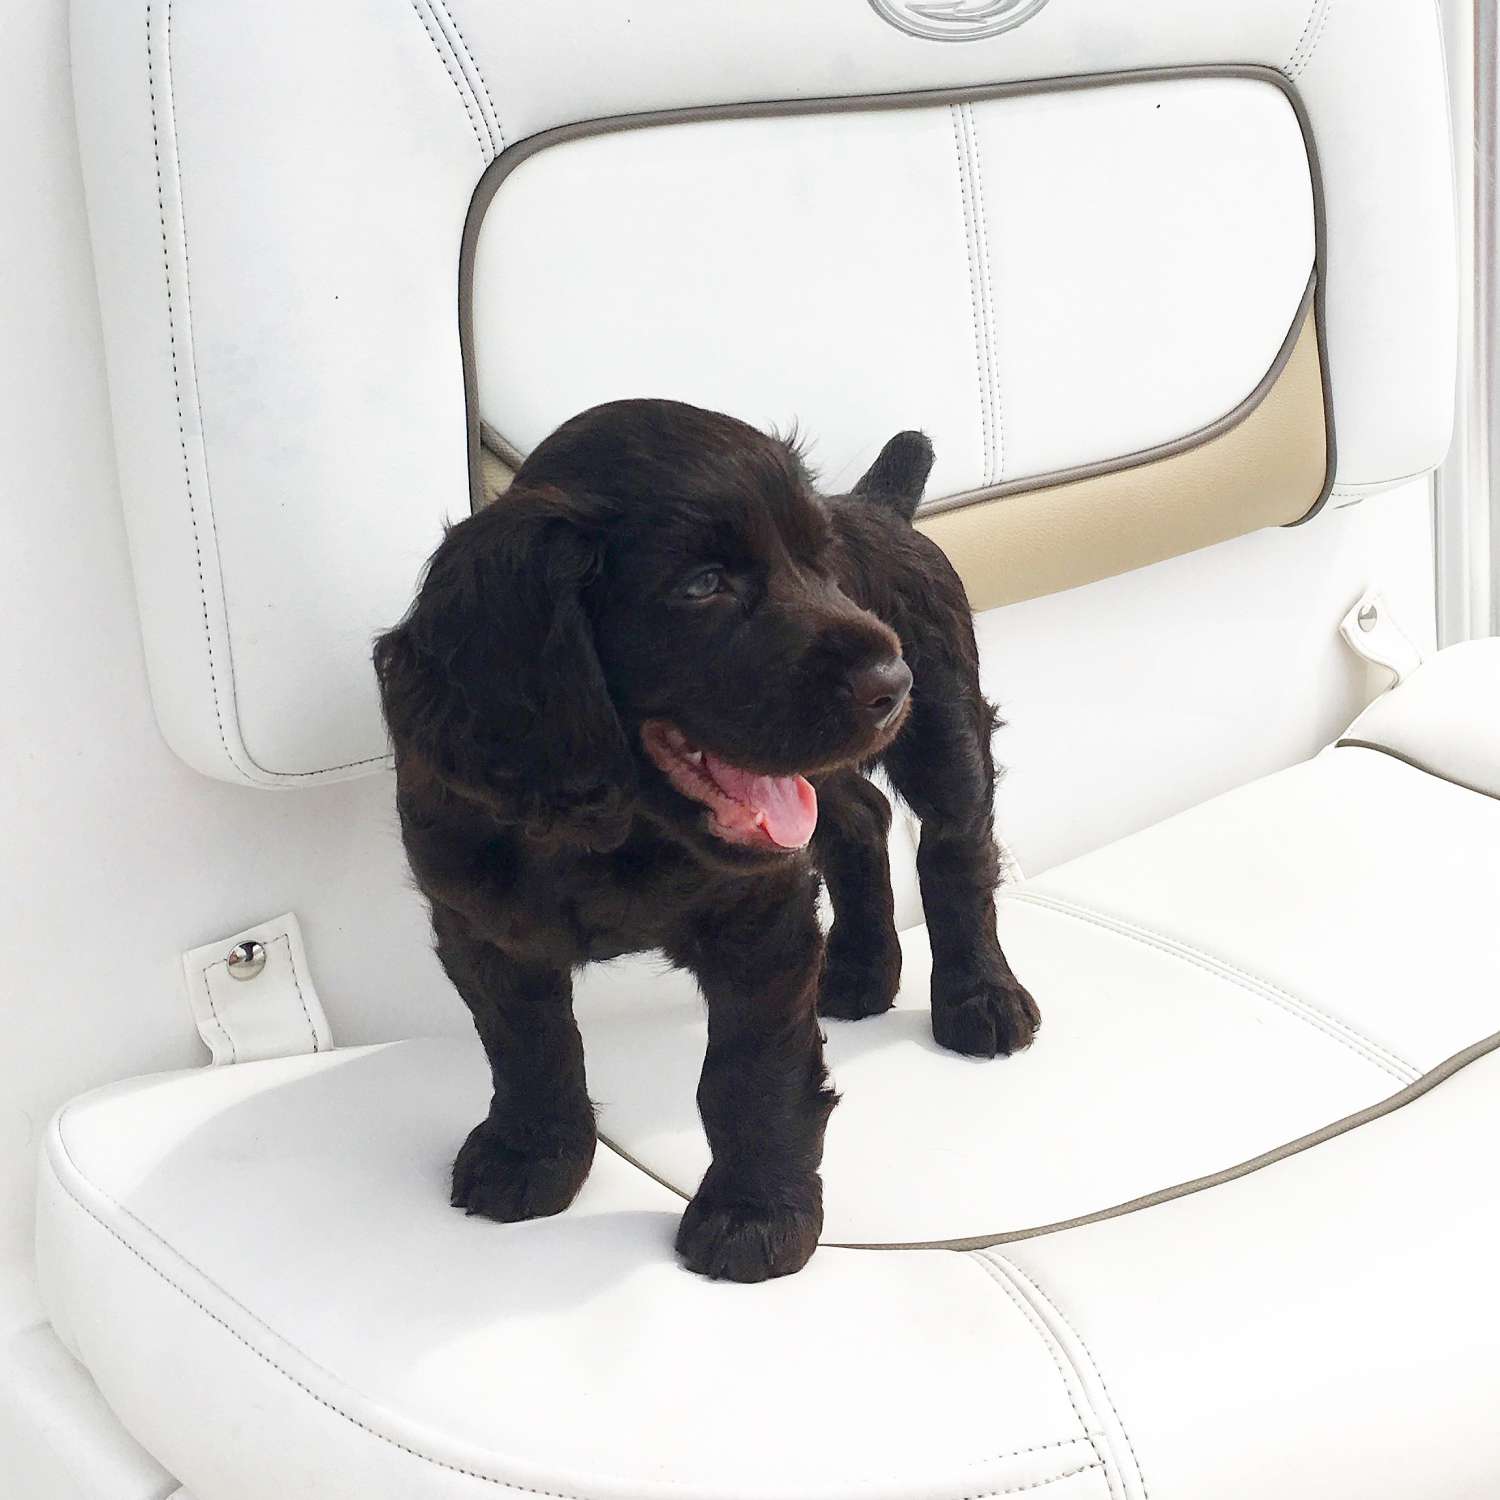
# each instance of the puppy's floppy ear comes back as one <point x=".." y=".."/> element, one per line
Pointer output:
<point x="899" y="475"/>
<point x="492" y="679"/>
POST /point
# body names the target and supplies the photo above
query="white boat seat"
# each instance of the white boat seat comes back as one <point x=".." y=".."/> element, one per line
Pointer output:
<point x="1152" y="277"/>
<point x="1155" y="276"/>
<point x="1269" y="1021"/>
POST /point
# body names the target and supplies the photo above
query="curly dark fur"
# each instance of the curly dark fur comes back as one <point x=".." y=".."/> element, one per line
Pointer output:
<point x="549" y="628"/>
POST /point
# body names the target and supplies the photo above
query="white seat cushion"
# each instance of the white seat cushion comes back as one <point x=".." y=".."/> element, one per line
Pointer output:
<point x="1272" y="1019"/>
<point x="1445" y="718"/>
<point x="259" y="1266"/>
<point x="1212" y="989"/>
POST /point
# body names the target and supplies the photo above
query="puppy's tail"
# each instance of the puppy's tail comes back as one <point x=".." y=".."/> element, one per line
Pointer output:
<point x="899" y="475"/>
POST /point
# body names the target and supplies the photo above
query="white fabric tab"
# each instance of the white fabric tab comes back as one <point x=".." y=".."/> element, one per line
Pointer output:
<point x="1371" y="630"/>
<point x="275" y="1012"/>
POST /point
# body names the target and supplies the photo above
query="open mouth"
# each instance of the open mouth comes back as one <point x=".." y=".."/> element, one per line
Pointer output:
<point x="765" y="812"/>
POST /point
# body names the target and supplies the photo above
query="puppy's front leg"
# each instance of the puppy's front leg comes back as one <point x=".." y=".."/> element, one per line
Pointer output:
<point x="530" y="1155"/>
<point x="764" y="1093"/>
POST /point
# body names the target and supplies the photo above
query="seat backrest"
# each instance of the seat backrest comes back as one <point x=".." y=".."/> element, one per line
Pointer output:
<point x="1140" y="270"/>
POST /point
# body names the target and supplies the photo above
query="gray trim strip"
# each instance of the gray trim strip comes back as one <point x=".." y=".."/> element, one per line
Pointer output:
<point x="1414" y="1090"/>
<point x="642" y="1168"/>
<point x="1428" y="1081"/>
<point x="501" y="447"/>
<point x="1416" y="765"/>
<point x="509" y="159"/>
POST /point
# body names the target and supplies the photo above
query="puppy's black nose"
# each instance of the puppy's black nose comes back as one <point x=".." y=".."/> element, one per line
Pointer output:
<point x="880" y="688"/>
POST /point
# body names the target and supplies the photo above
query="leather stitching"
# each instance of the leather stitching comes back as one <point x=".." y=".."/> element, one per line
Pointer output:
<point x="473" y="63"/>
<point x="508" y="1484"/>
<point x="1307" y="27"/>
<point x="1000" y="1260"/>
<point x="463" y="93"/>
<point x="213" y="1010"/>
<point x="345" y="765"/>
<point x="1302" y="53"/>
<point x="1071" y="1442"/>
<point x="986" y="288"/>
<point x="1307" y="57"/>
<point x="979" y="342"/>
<point x="1316" y="41"/>
<point x="1037" y="1484"/>
<point x="190" y="343"/>
<point x="443" y="20"/>
<point x="187" y="476"/>
<point x="1054" y="1352"/>
<point x="213" y="669"/>
<point x="291" y="958"/>
<point x="1366" y="1047"/>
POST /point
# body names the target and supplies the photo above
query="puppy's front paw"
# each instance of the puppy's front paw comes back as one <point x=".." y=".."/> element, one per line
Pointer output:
<point x="859" y="980"/>
<point x="501" y="1182"/>
<point x="991" y="1017"/>
<point x="747" y="1241"/>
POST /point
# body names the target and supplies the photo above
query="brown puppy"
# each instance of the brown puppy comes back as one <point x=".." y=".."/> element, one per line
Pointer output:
<point x="630" y="709"/>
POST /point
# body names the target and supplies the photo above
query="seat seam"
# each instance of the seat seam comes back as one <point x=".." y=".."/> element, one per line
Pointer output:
<point x="213" y="1010"/>
<point x="986" y="291"/>
<point x="443" y="20"/>
<point x="462" y="45"/>
<point x="187" y="475"/>
<point x="346" y="765"/>
<point x="1001" y="1261"/>
<point x="323" y="1401"/>
<point x="471" y="111"/>
<point x="1057" y="1355"/>
<point x="243" y="775"/>
<point x="966" y="205"/>
<point x="191" y="344"/>
<point x="1356" y="1041"/>
<point x="1289" y="67"/>
<point x="291" y="959"/>
<point x="1300" y="68"/>
<point x="1307" y="25"/>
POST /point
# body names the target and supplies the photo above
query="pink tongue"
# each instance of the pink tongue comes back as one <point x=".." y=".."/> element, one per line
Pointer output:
<point x="784" y="807"/>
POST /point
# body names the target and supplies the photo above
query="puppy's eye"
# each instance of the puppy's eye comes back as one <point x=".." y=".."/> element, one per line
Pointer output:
<point x="704" y="585"/>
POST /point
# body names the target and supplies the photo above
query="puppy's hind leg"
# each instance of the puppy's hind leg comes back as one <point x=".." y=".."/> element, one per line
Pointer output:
<point x="862" y="967"/>
<point x="943" y="767"/>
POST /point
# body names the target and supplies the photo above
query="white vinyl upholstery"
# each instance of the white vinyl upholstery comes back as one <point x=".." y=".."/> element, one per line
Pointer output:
<point x="1190" y="965"/>
<point x="774" y="266"/>
<point x="1445" y="718"/>
<point x="277" y="198"/>
<point x="279" y="1229"/>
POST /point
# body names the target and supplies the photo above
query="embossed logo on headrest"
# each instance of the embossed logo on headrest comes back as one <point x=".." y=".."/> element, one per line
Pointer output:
<point x="956" y="20"/>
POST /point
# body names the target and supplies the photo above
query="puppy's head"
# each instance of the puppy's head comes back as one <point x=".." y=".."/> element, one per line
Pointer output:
<point x="648" y="621"/>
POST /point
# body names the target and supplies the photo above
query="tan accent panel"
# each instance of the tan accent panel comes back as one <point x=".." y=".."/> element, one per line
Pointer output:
<point x="495" y="475"/>
<point x="1268" y="470"/>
